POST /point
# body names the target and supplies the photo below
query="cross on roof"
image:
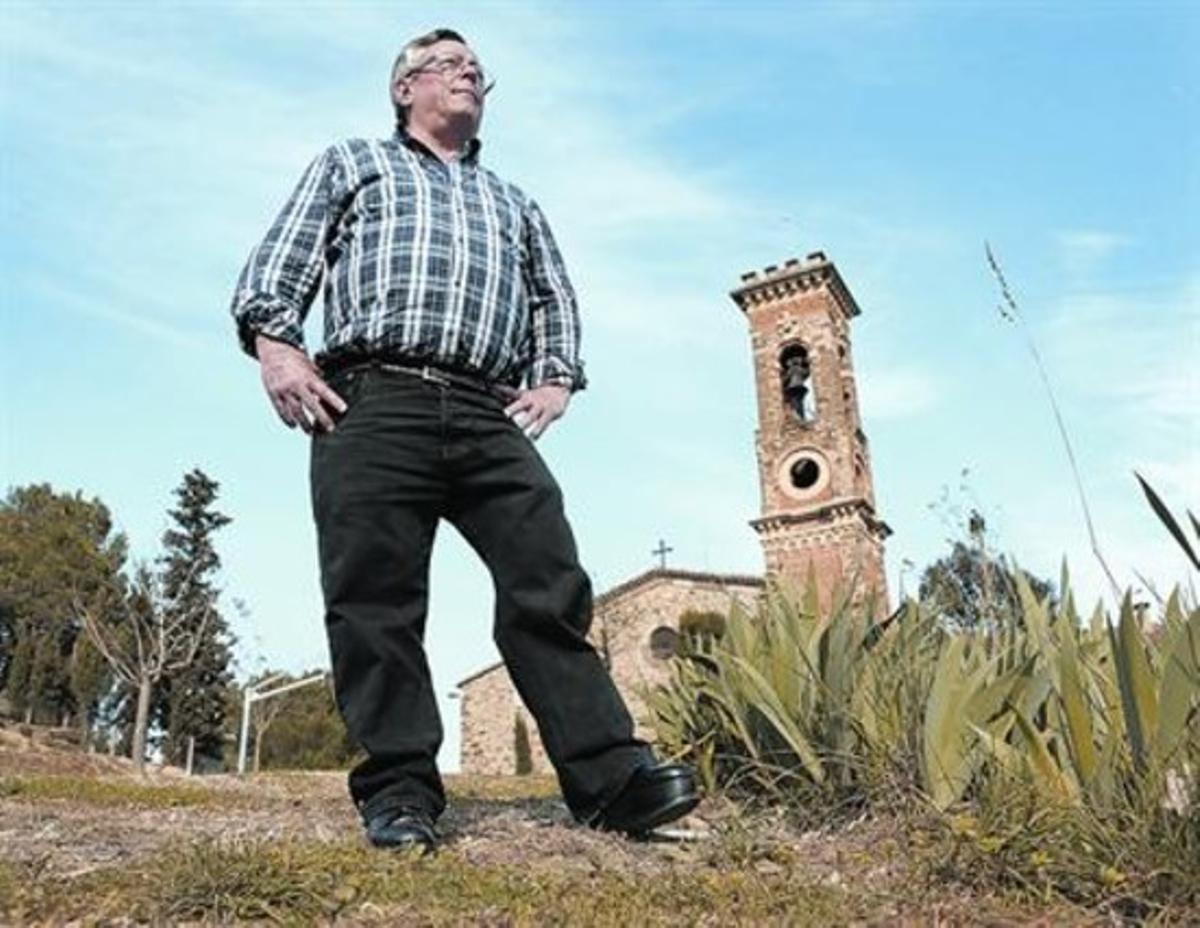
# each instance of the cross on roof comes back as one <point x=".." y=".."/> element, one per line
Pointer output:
<point x="662" y="550"/>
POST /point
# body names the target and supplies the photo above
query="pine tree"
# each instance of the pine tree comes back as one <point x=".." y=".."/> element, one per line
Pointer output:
<point x="53" y="547"/>
<point x="190" y="703"/>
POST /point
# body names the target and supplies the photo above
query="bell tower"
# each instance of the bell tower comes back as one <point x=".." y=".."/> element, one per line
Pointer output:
<point x="814" y="465"/>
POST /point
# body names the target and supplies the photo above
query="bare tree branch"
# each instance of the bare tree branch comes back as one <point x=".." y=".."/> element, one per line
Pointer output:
<point x="162" y="636"/>
<point x="98" y="634"/>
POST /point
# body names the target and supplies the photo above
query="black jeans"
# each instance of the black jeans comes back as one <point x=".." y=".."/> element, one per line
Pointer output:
<point x="407" y="453"/>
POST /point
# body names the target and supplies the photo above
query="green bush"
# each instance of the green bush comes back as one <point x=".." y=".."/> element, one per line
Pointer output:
<point x="1093" y="726"/>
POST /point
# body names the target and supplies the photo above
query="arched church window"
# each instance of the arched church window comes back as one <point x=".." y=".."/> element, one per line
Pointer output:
<point x="795" y="374"/>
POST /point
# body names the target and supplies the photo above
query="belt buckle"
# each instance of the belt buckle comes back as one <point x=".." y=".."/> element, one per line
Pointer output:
<point x="433" y="376"/>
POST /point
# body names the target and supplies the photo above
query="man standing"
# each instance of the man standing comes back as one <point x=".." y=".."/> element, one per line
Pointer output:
<point x="451" y="343"/>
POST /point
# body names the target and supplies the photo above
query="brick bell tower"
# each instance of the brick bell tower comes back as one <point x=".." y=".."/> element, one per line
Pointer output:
<point x="814" y="466"/>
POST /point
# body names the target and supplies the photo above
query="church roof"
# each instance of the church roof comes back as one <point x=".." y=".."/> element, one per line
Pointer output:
<point x="642" y="579"/>
<point x="667" y="573"/>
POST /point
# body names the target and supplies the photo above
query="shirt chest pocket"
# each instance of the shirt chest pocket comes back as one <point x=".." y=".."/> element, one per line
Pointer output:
<point x="386" y="200"/>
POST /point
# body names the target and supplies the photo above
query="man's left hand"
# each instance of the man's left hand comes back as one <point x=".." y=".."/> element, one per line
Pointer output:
<point x="534" y="410"/>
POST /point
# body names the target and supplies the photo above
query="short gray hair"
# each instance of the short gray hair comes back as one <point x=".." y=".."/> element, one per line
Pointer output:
<point x="408" y="59"/>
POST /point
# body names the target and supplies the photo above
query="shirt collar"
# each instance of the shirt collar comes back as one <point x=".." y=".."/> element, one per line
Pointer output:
<point x="470" y="152"/>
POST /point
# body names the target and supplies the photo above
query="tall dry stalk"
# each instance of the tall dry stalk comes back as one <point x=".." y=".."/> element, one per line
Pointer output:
<point x="1013" y="314"/>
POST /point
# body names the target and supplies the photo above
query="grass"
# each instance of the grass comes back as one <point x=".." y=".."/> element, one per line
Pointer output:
<point x="111" y="792"/>
<point x="915" y="865"/>
<point x="1135" y="861"/>
<point x="299" y="883"/>
<point x="529" y="786"/>
<point x="130" y="792"/>
<point x="746" y="874"/>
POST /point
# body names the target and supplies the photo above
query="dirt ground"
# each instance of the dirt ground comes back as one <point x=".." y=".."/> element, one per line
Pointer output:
<point x="69" y="836"/>
<point x="63" y="817"/>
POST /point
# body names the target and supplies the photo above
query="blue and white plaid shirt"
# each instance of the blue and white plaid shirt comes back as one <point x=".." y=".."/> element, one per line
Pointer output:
<point x="435" y="262"/>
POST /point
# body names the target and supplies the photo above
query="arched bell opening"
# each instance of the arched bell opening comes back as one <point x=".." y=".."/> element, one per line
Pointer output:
<point x="795" y="376"/>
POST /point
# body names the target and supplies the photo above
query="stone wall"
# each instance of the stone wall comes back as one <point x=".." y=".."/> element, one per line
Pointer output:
<point x="634" y="615"/>
<point x="836" y="547"/>
<point x="486" y="713"/>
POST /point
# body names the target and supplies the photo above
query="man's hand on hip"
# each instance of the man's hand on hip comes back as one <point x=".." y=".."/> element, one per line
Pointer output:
<point x="534" y="410"/>
<point x="294" y="384"/>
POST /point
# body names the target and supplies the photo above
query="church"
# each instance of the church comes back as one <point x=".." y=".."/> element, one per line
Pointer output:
<point x="817" y="512"/>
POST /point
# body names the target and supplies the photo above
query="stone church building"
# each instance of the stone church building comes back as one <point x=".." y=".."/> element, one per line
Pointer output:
<point x="817" y="510"/>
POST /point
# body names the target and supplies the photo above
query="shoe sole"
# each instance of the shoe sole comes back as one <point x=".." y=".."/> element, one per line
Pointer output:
<point x="670" y="809"/>
<point x="668" y="812"/>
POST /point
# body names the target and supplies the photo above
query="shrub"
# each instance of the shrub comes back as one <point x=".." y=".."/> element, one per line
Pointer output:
<point x="1095" y="727"/>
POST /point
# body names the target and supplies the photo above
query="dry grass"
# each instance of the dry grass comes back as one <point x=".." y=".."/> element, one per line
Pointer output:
<point x="287" y="848"/>
<point x="109" y="791"/>
<point x="302" y="882"/>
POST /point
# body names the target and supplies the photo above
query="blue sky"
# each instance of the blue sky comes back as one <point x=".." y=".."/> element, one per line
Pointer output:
<point x="673" y="146"/>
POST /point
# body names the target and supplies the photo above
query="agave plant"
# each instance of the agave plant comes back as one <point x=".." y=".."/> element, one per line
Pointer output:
<point x="843" y="705"/>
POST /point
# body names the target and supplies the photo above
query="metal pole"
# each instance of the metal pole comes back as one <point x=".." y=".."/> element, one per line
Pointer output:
<point x="247" y="697"/>
<point x="253" y="694"/>
<point x="267" y="694"/>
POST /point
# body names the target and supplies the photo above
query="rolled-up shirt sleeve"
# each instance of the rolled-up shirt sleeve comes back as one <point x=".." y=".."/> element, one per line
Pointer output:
<point x="280" y="279"/>
<point x="553" y="309"/>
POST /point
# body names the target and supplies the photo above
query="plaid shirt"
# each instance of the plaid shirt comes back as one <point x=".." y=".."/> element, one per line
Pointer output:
<point x="430" y="261"/>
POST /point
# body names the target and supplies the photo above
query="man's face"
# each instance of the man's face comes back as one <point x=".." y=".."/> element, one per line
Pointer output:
<point x="447" y="88"/>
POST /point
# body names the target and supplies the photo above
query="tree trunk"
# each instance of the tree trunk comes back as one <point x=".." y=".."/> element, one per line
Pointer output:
<point x="140" y="722"/>
<point x="258" y="736"/>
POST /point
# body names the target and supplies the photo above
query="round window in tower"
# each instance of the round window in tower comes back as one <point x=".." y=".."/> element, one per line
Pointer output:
<point x="664" y="642"/>
<point x="804" y="474"/>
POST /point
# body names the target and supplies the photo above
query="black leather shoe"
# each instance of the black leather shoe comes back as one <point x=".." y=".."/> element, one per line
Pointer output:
<point x="655" y="794"/>
<point x="402" y="828"/>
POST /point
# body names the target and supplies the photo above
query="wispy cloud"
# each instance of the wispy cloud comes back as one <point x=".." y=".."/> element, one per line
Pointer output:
<point x="1082" y="251"/>
<point x="1134" y="353"/>
<point x="1126" y="362"/>
<point x="898" y="392"/>
<point x="89" y="304"/>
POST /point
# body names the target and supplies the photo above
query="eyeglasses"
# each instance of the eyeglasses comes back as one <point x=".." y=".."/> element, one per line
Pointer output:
<point x="451" y="65"/>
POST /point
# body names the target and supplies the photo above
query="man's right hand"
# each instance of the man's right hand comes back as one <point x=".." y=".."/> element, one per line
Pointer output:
<point x="294" y="384"/>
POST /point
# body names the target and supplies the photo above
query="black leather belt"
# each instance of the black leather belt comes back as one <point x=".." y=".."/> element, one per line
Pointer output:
<point x="428" y="372"/>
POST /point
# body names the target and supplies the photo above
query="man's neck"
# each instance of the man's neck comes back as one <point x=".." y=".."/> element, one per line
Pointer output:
<point x="447" y="144"/>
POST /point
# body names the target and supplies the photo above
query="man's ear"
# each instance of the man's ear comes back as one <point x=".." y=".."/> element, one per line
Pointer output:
<point x="401" y="92"/>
